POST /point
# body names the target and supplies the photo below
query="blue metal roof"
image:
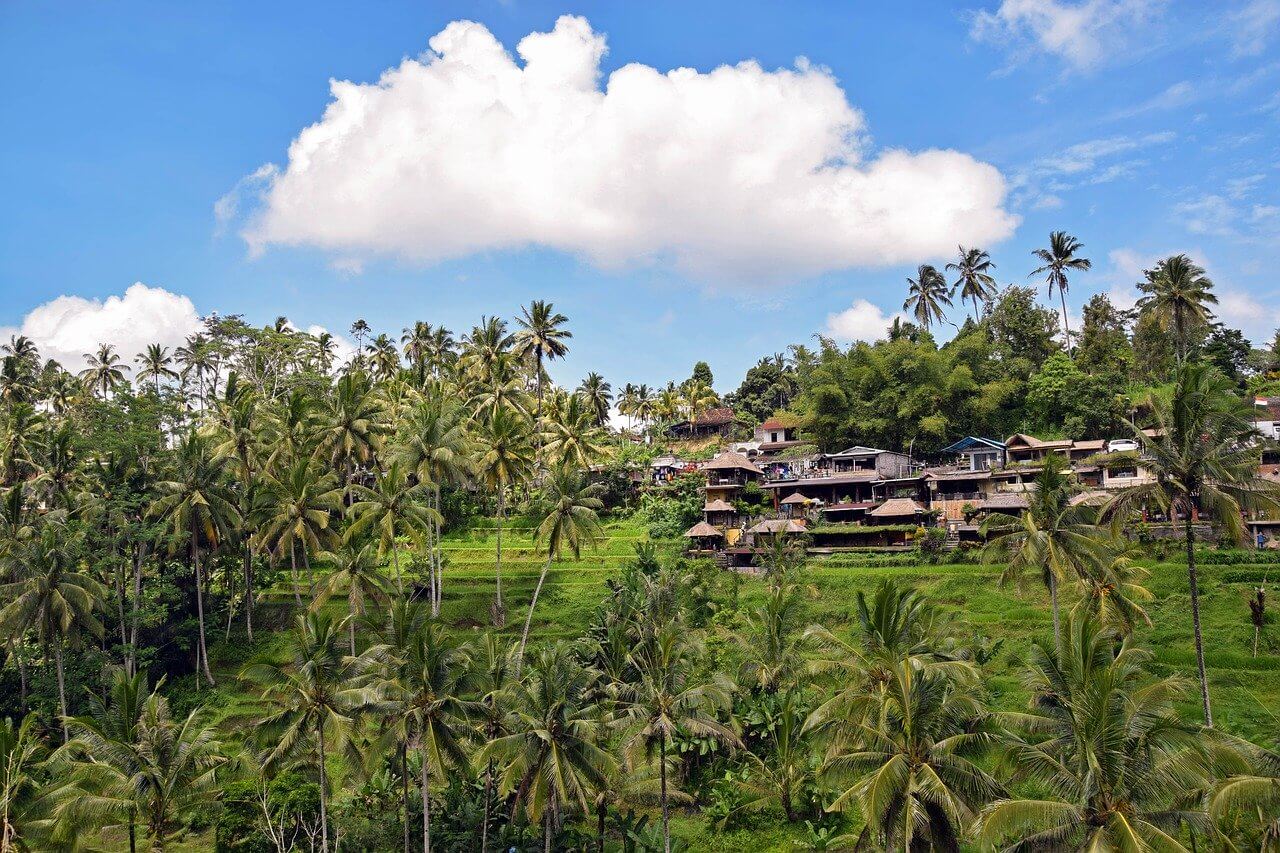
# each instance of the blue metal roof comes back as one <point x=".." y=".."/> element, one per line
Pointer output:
<point x="971" y="441"/>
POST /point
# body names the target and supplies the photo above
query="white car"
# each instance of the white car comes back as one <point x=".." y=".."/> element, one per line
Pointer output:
<point x="1122" y="445"/>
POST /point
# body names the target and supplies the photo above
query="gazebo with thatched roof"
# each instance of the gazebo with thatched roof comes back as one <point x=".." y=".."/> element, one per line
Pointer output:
<point x="703" y="537"/>
<point x="898" y="511"/>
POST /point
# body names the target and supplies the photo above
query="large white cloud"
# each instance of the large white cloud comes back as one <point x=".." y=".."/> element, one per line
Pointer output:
<point x="67" y="327"/>
<point x="862" y="321"/>
<point x="737" y="173"/>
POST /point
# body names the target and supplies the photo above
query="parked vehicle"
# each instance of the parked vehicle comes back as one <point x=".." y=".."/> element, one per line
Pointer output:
<point x="1122" y="445"/>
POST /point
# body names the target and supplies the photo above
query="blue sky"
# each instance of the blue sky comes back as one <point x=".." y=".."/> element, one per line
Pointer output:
<point x="674" y="220"/>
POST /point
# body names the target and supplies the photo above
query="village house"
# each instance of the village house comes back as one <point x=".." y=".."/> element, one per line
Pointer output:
<point x="717" y="421"/>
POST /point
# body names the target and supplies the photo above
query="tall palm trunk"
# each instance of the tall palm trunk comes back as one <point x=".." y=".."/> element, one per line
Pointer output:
<point x="248" y="591"/>
<point x="488" y="799"/>
<point x="662" y="775"/>
<point x="426" y="803"/>
<point x="524" y="638"/>
<point x="324" y="790"/>
<point x="499" y="611"/>
<point x="437" y="555"/>
<point x="1066" y="327"/>
<point x="1193" y="581"/>
<point x="195" y="559"/>
<point x="131" y="660"/>
<point x="62" y="686"/>
<point x="395" y="560"/>
<point x="404" y="789"/>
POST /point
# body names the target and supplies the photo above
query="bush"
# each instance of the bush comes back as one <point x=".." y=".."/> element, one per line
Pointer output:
<point x="1237" y="557"/>
<point x="1246" y="576"/>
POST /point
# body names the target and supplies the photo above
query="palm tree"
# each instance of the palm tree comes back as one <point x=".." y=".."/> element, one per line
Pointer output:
<point x="541" y="337"/>
<point x="53" y="597"/>
<point x="393" y="508"/>
<point x="29" y="796"/>
<point x="325" y="347"/>
<point x="21" y="432"/>
<point x="669" y="699"/>
<point x="486" y="344"/>
<point x="318" y="697"/>
<point x="598" y="395"/>
<point x="926" y="294"/>
<point x="358" y="572"/>
<point x="698" y="398"/>
<point x="104" y="372"/>
<point x="1053" y="537"/>
<point x="1179" y="293"/>
<point x="1253" y="790"/>
<point x="156" y="364"/>
<point x="425" y="693"/>
<point x="300" y="503"/>
<point x="196" y="503"/>
<point x="571" y="435"/>
<point x="109" y="734"/>
<point x="551" y="758"/>
<point x="973" y="277"/>
<point x="434" y="446"/>
<point x="505" y="443"/>
<point x="1113" y="595"/>
<point x="911" y="768"/>
<point x="1204" y="460"/>
<point x="492" y="677"/>
<point x="384" y="360"/>
<point x="1105" y="744"/>
<point x="351" y="426"/>
<point x="1059" y="259"/>
<point x="415" y="341"/>
<point x="196" y="356"/>
<point x="569" y="520"/>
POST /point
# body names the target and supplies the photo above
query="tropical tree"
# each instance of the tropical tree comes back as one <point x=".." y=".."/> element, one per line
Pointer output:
<point x="669" y="699"/>
<point x="53" y="596"/>
<point x="911" y="765"/>
<point x="434" y="446"/>
<point x="927" y="293"/>
<point x="1203" y="457"/>
<point x="1059" y="259"/>
<point x="351" y="426"/>
<point x="393" y="508"/>
<point x="505" y="444"/>
<point x="598" y="395"/>
<point x="551" y="758"/>
<point x="492" y="676"/>
<point x="300" y="501"/>
<point x="31" y="790"/>
<point x="571" y="435"/>
<point x="317" y="699"/>
<point x="22" y="431"/>
<point x="156" y="364"/>
<point x="570" y="519"/>
<point x="541" y="337"/>
<point x="1178" y="293"/>
<point x="358" y="572"/>
<point x="698" y="398"/>
<point x="1104" y="743"/>
<point x="104" y="372"/>
<point x="1053" y="537"/>
<point x="425" y="697"/>
<point x="1113" y="594"/>
<point x="973" y="278"/>
<point x="195" y="503"/>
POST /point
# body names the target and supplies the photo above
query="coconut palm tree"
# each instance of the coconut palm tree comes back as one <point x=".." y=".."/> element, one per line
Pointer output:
<point x="300" y="502"/>
<point x="156" y="364"/>
<point x="1113" y="595"/>
<point x="570" y="519"/>
<point x="493" y="672"/>
<point x="1103" y="741"/>
<point x="1058" y="540"/>
<point x="698" y="398"/>
<point x="598" y="395"/>
<point x="541" y="337"/>
<point x="487" y="344"/>
<point x="503" y="388"/>
<point x="1057" y="260"/>
<point x="393" y="508"/>
<point x="357" y="571"/>
<point x="104" y="372"/>
<point x="384" y="359"/>
<point x="196" y="504"/>
<point x="1179" y="293"/>
<point x="552" y="758"/>
<point x="670" y="698"/>
<point x="325" y="346"/>
<point x="51" y="596"/>
<point x="30" y="790"/>
<point x="973" y="277"/>
<point x="926" y="294"/>
<point x="317" y="699"/>
<point x="22" y="430"/>
<point x="1204" y="460"/>
<point x="433" y="445"/>
<point x="196" y="356"/>
<point x="415" y="343"/>
<point x="505" y="444"/>
<point x="289" y="430"/>
<point x="351" y="427"/>
<point x="911" y="765"/>
<point x="571" y="435"/>
<point x="1253" y="793"/>
<point x="425" y="697"/>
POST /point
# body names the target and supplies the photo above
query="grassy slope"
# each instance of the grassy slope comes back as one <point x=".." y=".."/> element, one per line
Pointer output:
<point x="1246" y="691"/>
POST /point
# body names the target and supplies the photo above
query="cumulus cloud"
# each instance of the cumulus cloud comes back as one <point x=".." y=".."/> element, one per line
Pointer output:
<point x="67" y="327"/>
<point x="862" y="321"/>
<point x="1084" y="34"/>
<point x="738" y="173"/>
